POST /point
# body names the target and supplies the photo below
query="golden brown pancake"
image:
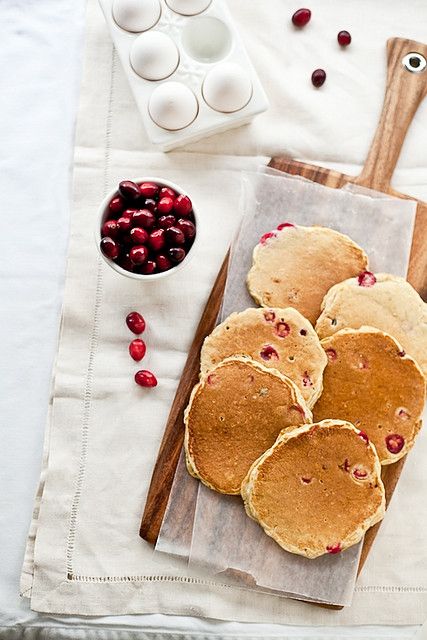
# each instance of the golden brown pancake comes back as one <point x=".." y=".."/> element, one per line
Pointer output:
<point x="235" y="413"/>
<point x="296" y="266"/>
<point x="317" y="489"/>
<point x="278" y="338"/>
<point x="370" y="382"/>
<point x="383" y="301"/>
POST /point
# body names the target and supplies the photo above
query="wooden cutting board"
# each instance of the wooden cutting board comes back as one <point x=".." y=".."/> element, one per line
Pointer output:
<point x="406" y="87"/>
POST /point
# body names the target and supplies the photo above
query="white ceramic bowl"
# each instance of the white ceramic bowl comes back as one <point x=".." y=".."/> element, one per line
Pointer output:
<point x="103" y="216"/>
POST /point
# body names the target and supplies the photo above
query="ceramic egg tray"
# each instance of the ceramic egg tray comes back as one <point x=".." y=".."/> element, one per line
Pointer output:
<point x="198" y="79"/>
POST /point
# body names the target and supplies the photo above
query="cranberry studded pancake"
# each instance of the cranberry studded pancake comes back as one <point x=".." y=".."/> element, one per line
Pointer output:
<point x="235" y="413"/>
<point x="383" y="301"/>
<point x="279" y="338"/>
<point x="372" y="383"/>
<point x="295" y="266"/>
<point x="317" y="489"/>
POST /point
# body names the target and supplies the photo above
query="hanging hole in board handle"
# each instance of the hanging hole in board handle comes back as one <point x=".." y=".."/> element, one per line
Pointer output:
<point x="414" y="62"/>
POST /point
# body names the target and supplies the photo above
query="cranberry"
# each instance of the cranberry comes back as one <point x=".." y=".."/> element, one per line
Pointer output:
<point x="163" y="263"/>
<point x="126" y="263"/>
<point x="344" y="38"/>
<point x="267" y="236"/>
<point x="137" y="349"/>
<point x="156" y="239"/>
<point x="394" y="442"/>
<point x="151" y="205"/>
<point x="345" y="466"/>
<point x="285" y="225"/>
<point x="110" y="228"/>
<point x="138" y="254"/>
<point x="148" y="189"/>
<point x="331" y="353"/>
<point x="176" y="254"/>
<point x="301" y="17"/>
<point x="360" y="473"/>
<point x="318" y="77"/>
<point x="125" y="223"/>
<point x="187" y="227"/>
<point x="116" y="205"/>
<point x="167" y="191"/>
<point x="109" y="248"/>
<point x="135" y="322"/>
<point x="269" y="316"/>
<point x="269" y="353"/>
<point x="129" y="190"/>
<point x="138" y="235"/>
<point x="165" y="204"/>
<point x="145" y="378"/>
<point x="182" y="206"/>
<point x="306" y="480"/>
<point x="303" y="332"/>
<point x="282" y="329"/>
<point x="334" y="548"/>
<point x="306" y="380"/>
<point x="364" y="436"/>
<point x="143" y="218"/>
<point x="366" y="279"/>
<point x="174" y="236"/>
<point x="147" y="268"/>
<point x="166" y="221"/>
<point x="402" y="353"/>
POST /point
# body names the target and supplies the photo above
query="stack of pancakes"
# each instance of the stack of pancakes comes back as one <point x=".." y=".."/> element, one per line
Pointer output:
<point x="301" y="400"/>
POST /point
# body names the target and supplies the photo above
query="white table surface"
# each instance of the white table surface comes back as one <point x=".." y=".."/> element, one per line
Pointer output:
<point x="40" y="65"/>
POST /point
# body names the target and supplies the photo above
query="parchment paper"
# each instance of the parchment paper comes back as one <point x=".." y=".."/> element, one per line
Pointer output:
<point x="223" y="538"/>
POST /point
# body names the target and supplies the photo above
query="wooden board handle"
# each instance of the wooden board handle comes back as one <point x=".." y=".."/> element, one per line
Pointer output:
<point x="406" y="87"/>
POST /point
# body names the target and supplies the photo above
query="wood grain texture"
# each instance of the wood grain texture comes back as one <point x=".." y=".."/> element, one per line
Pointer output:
<point x="404" y="92"/>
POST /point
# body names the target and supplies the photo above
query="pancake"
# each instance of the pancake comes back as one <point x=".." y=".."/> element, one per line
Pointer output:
<point x="295" y="267"/>
<point x="383" y="301"/>
<point x="279" y="338"/>
<point x="317" y="489"/>
<point x="370" y="382"/>
<point x="235" y="413"/>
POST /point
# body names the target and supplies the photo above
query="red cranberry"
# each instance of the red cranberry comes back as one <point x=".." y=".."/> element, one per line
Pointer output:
<point x="138" y="254"/>
<point x="331" y="353"/>
<point x="306" y="380"/>
<point x="167" y="191"/>
<point x="135" y="322"/>
<point x="109" y="248"/>
<point x="176" y="254"/>
<point x="182" y="206"/>
<point x="129" y="190"/>
<point x="344" y="38"/>
<point x="301" y="17"/>
<point x="116" y="205"/>
<point x="284" y="225"/>
<point x="269" y="353"/>
<point x="360" y="473"/>
<point x="282" y="329"/>
<point x="165" y="204"/>
<point x="137" y="349"/>
<point x="139" y="235"/>
<point x="125" y="223"/>
<point x="366" y="279"/>
<point x="166" y="221"/>
<point x="156" y="239"/>
<point x="394" y="443"/>
<point x="364" y="436"/>
<point x="148" y="189"/>
<point x="303" y="332"/>
<point x="110" y="228"/>
<point x="151" y="205"/>
<point x="147" y="268"/>
<point x="318" y="77"/>
<point x="174" y="236"/>
<point x="187" y="228"/>
<point x="143" y="218"/>
<point x="334" y="548"/>
<point x="267" y="236"/>
<point x="163" y="263"/>
<point x="145" y="378"/>
<point x="126" y="263"/>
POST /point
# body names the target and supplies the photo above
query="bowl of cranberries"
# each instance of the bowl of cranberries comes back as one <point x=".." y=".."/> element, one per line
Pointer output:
<point x="146" y="228"/>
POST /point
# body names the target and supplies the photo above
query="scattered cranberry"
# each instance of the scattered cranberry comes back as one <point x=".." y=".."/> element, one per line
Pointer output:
<point x="182" y="206"/>
<point x="269" y="316"/>
<point x="129" y="190"/>
<point x="156" y="239"/>
<point x="282" y="329"/>
<point x="163" y="263"/>
<point x="301" y="17"/>
<point x="334" y="548"/>
<point x="148" y="189"/>
<point x="394" y="443"/>
<point x="125" y="223"/>
<point x="143" y="218"/>
<point x="344" y="38"/>
<point x="109" y="248"/>
<point x="116" y="205"/>
<point x="360" y="473"/>
<point x="138" y="235"/>
<point x="166" y="221"/>
<point x="269" y="353"/>
<point x="110" y="228"/>
<point x="165" y="205"/>
<point x="318" y="77"/>
<point x="137" y="349"/>
<point x="145" y="378"/>
<point x="135" y="322"/>
<point x="167" y="191"/>
<point x="267" y="236"/>
<point x="364" y="436"/>
<point x="138" y="254"/>
<point x="126" y="263"/>
<point x="306" y="381"/>
<point x="285" y="225"/>
<point x="402" y="353"/>
<point x="331" y="353"/>
<point x="187" y="227"/>
<point x="366" y="279"/>
<point x="174" y="236"/>
<point x="147" y="268"/>
<point x="176" y="254"/>
<point x="151" y="205"/>
<point x="303" y="332"/>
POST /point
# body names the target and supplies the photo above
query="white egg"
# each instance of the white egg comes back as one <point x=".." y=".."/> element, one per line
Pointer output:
<point x="227" y="87"/>
<point x="154" y="55"/>
<point x="173" y="106"/>
<point x="188" y="7"/>
<point x="136" y="15"/>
